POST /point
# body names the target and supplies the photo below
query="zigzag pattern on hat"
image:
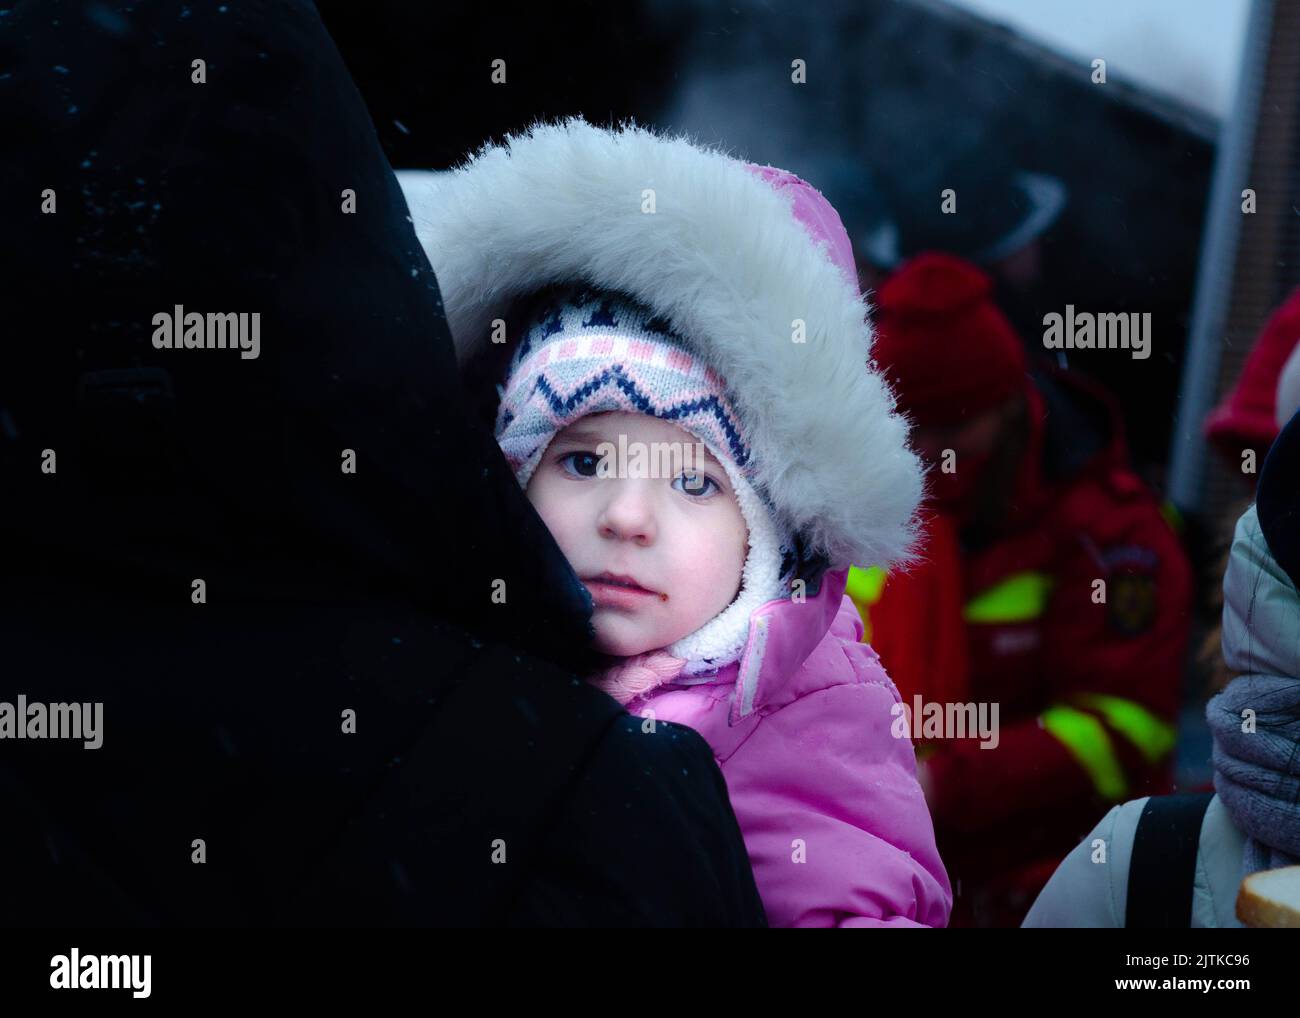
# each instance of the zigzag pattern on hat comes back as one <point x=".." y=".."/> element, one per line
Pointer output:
<point x="640" y="401"/>
<point x="576" y="367"/>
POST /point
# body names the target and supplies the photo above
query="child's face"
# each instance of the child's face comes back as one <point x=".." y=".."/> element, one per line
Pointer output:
<point x="681" y="538"/>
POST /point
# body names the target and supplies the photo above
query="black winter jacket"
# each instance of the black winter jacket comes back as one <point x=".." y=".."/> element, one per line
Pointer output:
<point x="342" y="722"/>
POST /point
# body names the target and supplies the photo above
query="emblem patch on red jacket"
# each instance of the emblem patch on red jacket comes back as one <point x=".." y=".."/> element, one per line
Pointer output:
<point x="1132" y="603"/>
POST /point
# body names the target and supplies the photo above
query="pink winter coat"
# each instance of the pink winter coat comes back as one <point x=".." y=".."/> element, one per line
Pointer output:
<point x="802" y="725"/>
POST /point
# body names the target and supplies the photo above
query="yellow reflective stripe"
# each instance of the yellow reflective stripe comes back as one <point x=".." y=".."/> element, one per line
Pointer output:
<point x="1153" y="737"/>
<point x="865" y="585"/>
<point x="1018" y="598"/>
<point x="1086" y="740"/>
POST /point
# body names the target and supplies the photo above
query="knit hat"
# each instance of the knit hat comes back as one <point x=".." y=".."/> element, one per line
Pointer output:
<point x="943" y="343"/>
<point x="1287" y="400"/>
<point x="1247" y="415"/>
<point x="585" y="351"/>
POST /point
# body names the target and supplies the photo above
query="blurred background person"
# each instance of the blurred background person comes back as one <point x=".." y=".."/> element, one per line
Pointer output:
<point x="1174" y="861"/>
<point x="976" y="203"/>
<point x="1241" y="429"/>
<point x="1074" y="593"/>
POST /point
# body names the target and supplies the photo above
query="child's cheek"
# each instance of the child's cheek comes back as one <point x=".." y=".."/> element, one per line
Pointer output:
<point x="705" y="571"/>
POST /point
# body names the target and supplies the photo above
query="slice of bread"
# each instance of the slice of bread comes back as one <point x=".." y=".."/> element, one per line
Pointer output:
<point x="1271" y="898"/>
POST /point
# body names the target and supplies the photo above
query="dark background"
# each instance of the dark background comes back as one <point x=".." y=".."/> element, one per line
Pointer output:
<point x="893" y="87"/>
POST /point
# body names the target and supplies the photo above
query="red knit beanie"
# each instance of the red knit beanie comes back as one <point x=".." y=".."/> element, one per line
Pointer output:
<point x="1245" y="417"/>
<point x="945" y="347"/>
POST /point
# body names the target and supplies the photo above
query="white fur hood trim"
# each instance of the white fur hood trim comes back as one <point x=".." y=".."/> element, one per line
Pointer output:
<point x="724" y="259"/>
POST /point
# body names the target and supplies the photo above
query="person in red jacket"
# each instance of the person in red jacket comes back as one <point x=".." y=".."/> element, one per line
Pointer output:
<point x="912" y="617"/>
<point x="1075" y="593"/>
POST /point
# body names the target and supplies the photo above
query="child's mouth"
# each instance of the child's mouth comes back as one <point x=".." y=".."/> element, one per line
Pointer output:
<point x="614" y="591"/>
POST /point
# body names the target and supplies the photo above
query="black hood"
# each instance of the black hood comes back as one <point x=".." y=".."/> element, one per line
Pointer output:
<point x="176" y="464"/>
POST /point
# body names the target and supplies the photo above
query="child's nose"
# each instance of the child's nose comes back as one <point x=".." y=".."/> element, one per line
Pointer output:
<point x="629" y="513"/>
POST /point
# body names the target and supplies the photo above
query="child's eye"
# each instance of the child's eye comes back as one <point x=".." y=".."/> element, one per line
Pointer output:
<point x="696" y="485"/>
<point x="583" y="463"/>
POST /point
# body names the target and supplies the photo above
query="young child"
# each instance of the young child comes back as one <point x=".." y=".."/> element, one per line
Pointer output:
<point x="690" y="408"/>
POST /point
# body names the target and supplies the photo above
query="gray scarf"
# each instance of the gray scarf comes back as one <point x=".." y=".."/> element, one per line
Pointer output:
<point x="1257" y="774"/>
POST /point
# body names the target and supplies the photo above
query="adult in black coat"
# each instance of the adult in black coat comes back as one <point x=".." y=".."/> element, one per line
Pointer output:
<point x="368" y="710"/>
